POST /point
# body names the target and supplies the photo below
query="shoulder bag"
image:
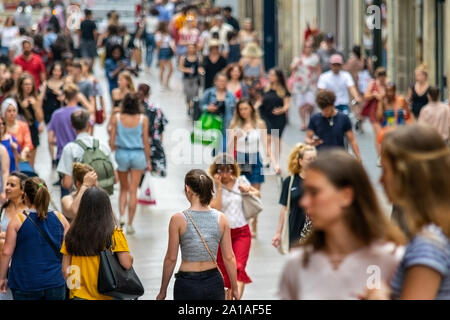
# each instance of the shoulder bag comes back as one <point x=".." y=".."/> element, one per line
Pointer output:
<point x="114" y="280"/>
<point x="284" y="243"/>
<point x="228" y="292"/>
<point x="251" y="204"/>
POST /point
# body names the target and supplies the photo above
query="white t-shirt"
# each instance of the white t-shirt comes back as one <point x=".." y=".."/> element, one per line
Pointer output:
<point x="339" y="84"/>
<point x="8" y="35"/>
<point x="319" y="280"/>
<point x="232" y="204"/>
<point x="151" y="24"/>
<point x="166" y="39"/>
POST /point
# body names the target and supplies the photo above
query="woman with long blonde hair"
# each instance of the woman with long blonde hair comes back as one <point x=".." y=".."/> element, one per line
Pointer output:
<point x="418" y="92"/>
<point x="248" y="135"/>
<point x="125" y="86"/>
<point x="299" y="159"/>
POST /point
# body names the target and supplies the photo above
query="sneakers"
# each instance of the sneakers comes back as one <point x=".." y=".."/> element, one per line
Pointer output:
<point x="130" y="230"/>
<point x="122" y="221"/>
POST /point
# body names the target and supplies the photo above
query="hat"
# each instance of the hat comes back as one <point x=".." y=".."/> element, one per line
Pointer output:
<point x="6" y="103"/>
<point x="214" y="43"/>
<point x="336" y="59"/>
<point x="252" y="50"/>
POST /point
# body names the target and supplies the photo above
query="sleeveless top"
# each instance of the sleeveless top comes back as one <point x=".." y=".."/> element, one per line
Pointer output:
<point x="50" y="104"/>
<point x="35" y="266"/>
<point x="188" y="64"/>
<point x="418" y="102"/>
<point x="192" y="247"/>
<point x="129" y="138"/>
<point x="252" y="72"/>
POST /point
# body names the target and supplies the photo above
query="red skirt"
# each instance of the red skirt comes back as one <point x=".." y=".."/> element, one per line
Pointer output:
<point x="241" y="240"/>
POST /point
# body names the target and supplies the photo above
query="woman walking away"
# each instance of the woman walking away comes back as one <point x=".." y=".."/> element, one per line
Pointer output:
<point x="130" y="139"/>
<point x="33" y="241"/>
<point x="418" y="92"/>
<point x="299" y="160"/>
<point x="13" y="206"/>
<point x="228" y="185"/>
<point x="198" y="232"/>
<point x="166" y="51"/>
<point x="92" y="230"/>
<point x="189" y="64"/>
<point x="415" y="160"/>
<point x="350" y="234"/>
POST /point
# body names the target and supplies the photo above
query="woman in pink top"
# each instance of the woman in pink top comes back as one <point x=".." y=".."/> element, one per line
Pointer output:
<point x="352" y="246"/>
<point x="436" y="114"/>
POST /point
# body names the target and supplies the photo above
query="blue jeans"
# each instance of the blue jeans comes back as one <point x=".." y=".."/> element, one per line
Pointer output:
<point x="150" y="49"/>
<point x="207" y="285"/>
<point x="58" y="293"/>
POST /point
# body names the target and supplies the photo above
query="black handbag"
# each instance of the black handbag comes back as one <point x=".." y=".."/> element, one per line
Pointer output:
<point x="114" y="280"/>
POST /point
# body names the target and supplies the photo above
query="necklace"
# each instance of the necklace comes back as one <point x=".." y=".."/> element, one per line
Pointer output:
<point x="330" y="121"/>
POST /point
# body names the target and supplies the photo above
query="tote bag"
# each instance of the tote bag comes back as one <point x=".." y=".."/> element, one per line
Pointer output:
<point x="207" y="129"/>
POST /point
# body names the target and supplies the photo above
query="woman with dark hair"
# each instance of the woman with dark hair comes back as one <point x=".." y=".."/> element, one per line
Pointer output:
<point x="274" y="106"/>
<point x="157" y="123"/>
<point x="198" y="232"/>
<point x="115" y="65"/>
<point x="52" y="98"/>
<point x="236" y="83"/>
<point x="228" y="186"/>
<point x="189" y="64"/>
<point x="8" y="34"/>
<point x="15" y="204"/>
<point x="30" y="108"/>
<point x="35" y="272"/>
<point x="129" y="138"/>
<point x="350" y="235"/>
<point x="94" y="229"/>
<point x="8" y="88"/>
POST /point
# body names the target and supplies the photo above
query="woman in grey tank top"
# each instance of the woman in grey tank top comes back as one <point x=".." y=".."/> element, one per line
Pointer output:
<point x="199" y="277"/>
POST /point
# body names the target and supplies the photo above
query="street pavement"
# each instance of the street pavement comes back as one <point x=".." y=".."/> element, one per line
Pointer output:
<point x="149" y="244"/>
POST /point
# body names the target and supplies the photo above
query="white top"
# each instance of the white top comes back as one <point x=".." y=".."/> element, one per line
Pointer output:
<point x="339" y="84"/>
<point x="166" y="39"/>
<point x="151" y="24"/>
<point x="8" y="35"/>
<point x="249" y="141"/>
<point x="223" y="32"/>
<point x="364" y="79"/>
<point x="360" y="271"/>
<point x="232" y="204"/>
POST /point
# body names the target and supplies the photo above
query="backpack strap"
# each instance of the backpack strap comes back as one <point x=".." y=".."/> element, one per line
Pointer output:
<point x="82" y="145"/>
<point x="96" y="144"/>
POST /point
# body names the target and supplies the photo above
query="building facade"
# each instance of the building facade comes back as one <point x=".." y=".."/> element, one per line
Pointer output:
<point x="412" y="32"/>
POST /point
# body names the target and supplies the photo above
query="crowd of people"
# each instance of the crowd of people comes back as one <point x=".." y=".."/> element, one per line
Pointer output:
<point x="330" y="218"/>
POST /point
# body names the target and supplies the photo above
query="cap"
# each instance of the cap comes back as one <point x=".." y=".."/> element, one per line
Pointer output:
<point x="336" y="59"/>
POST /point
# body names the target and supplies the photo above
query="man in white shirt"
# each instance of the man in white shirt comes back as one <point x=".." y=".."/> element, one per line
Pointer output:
<point x="341" y="83"/>
<point x="222" y="28"/>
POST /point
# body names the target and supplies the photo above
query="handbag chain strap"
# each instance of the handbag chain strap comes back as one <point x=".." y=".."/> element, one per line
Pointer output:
<point x="203" y="240"/>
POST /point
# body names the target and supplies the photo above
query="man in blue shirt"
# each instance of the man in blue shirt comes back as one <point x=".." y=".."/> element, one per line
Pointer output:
<point x="328" y="128"/>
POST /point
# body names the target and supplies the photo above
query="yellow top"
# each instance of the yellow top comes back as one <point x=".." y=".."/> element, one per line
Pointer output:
<point x="86" y="270"/>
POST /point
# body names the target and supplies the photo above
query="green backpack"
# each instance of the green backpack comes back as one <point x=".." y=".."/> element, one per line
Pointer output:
<point x="101" y="164"/>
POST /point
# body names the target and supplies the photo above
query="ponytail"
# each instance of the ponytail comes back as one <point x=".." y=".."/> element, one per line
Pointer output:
<point x="201" y="184"/>
<point x="37" y="192"/>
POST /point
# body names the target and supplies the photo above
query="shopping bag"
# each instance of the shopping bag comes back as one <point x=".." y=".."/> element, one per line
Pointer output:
<point x="145" y="195"/>
<point x="207" y="130"/>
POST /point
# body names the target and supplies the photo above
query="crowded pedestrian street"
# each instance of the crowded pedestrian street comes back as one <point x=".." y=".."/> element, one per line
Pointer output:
<point x="173" y="150"/>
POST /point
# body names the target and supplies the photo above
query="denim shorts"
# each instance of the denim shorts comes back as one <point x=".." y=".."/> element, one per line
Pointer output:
<point x="207" y="285"/>
<point x="58" y="293"/>
<point x="165" y="54"/>
<point x="130" y="160"/>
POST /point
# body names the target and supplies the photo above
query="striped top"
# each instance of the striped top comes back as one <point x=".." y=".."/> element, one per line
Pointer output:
<point x="430" y="248"/>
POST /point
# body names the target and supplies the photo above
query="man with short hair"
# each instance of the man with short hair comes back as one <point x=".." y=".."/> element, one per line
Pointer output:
<point x="88" y="31"/>
<point x="232" y="21"/>
<point x="327" y="50"/>
<point x="436" y="114"/>
<point x="31" y="63"/>
<point x="74" y="152"/>
<point x="329" y="128"/>
<point x="222" y="28"/>
<point x="341" y="83"/>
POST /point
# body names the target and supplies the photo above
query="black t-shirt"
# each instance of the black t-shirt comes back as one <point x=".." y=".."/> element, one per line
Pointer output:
<point x="297" y="215"/>
<point x="271" y="101"/>
<point x="332" y="131"/>
<point x="212" y="69"/>
<point x="87" y="29"/>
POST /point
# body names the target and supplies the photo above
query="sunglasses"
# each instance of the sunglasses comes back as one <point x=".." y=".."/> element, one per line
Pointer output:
<point x="224" y="169"/>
